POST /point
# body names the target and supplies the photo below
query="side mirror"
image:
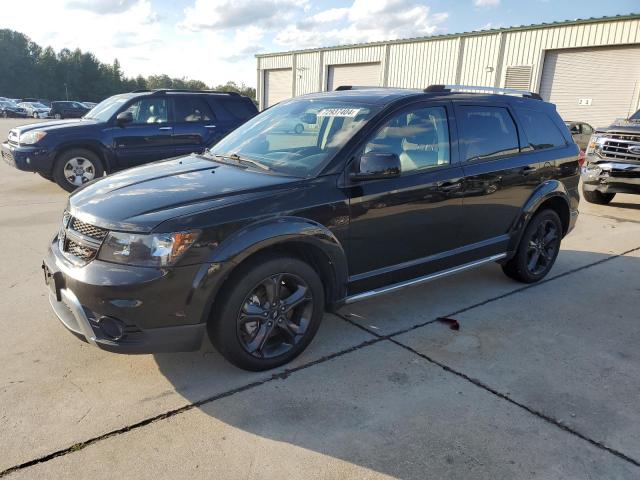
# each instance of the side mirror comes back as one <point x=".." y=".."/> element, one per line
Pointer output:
<point x="309" y="118"/>
<point x="374" y="166"/>
<point x="124" y="117"/>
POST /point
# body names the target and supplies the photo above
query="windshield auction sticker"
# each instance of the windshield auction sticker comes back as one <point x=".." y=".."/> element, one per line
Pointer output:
<point x="338" y="112"/>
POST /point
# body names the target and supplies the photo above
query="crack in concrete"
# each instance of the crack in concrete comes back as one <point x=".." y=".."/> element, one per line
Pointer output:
<point x="377" y="339"/>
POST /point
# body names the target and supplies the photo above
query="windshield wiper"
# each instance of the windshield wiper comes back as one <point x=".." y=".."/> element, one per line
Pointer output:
<point x="239" y="159"/>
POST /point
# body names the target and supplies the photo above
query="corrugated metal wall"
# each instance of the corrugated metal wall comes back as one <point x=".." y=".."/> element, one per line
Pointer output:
<point x="473" y="59"/>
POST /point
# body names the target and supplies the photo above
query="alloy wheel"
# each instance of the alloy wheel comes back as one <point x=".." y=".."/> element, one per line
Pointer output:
<point x="275" y="316"/>
<point x="542" y="247"/>
<point x="79" y="170"/>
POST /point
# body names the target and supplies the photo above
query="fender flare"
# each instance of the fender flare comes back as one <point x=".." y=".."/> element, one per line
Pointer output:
<point x="264" y="234"/>
<point x="546" y="191"/>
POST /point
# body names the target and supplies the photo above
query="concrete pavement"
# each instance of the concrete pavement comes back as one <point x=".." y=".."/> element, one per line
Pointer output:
<point x="540" y="381"/>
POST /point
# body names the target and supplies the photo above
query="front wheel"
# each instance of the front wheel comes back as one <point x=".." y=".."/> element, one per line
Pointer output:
<point x="35" y="115"/>
<point x="538" y="248"/>
<point x="76" y="167"/>
<point x="270" y="311"/>
<point x="58" y="116"/>
<point x="597" y="197"/>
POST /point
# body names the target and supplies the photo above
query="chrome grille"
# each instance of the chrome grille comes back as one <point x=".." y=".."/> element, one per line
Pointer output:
<point x="88" y="230"/>
<point x="79" y="241"/>
<point x="79" y="251"/>
<point x="617" y="146"/>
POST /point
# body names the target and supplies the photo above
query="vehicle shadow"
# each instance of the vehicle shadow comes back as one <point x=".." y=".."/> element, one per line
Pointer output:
<point x="633" y="206"/>
<point x="369" y="407"/>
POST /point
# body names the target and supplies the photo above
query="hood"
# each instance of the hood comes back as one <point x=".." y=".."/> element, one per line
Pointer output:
<point x="141" y="198"/>
<point x="55" y="125"/>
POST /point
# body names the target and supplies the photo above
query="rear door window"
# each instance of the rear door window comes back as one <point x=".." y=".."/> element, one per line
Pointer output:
<point x="232" y="109"/>
<point x="539" y="129"/>
<point x="191" y="110"/>
<point x="486" y="133"/>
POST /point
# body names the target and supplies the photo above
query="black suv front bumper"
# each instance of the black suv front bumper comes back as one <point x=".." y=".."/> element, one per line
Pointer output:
<point x="159" y="310"/>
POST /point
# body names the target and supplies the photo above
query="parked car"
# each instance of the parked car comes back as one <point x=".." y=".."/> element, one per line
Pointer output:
<point x="252" y="240"/>
<point x="125" y="131"/>
<point x="581" y="133"/>
<point x="612" y="161"/>
<point x="35" y="109"/>
<point x="43" y="101"/>
<point x="60" y="110"/>
<point x="10" y="109"/>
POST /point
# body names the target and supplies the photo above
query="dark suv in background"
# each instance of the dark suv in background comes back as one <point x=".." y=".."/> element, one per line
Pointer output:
<point x="253" y="239"/>
<point x="60" y="110"/>
<point x="125" y="131"/>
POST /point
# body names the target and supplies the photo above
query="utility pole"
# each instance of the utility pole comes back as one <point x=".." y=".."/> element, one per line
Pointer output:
<point x="66" y="91"/>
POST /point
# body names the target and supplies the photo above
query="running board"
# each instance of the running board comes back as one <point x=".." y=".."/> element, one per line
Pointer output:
<point x="417" y="281"/>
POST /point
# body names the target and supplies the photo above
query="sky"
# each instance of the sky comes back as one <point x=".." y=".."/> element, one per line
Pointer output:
<point x="216" y="40"/>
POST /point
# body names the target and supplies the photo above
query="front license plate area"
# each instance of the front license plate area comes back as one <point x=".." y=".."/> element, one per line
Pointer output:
<point x="53" y="280"/>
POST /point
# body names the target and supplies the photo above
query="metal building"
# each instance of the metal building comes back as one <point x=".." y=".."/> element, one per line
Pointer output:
<point x="589" y="68"/>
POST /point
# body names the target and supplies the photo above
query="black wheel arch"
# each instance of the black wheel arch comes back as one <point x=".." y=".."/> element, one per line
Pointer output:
<point x="300" y="237"/>
<point x="552" y="195"/>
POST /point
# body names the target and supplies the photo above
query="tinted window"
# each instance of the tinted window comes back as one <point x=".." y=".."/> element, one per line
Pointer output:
<point x="192" y="109"/>
<point x="486" y="132"/>
<point x="149" y="110"/>
<point x="419" y="137"/>
<point x="232" y="109"/>
<point x="586" y="129"/>
<point x="540" y="130"/>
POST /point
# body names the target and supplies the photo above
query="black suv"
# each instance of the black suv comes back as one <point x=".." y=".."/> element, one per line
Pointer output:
<point x="60" y="110"/>
<point x="125" y="131"/>
<point x="612" y="162"/>
<point x="252" y="240"/>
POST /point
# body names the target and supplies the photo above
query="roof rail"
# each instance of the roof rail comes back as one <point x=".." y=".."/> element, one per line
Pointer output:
<point x="182" y="90"/>
<point x="480" y="89"/>
<point x="354" y="87"/>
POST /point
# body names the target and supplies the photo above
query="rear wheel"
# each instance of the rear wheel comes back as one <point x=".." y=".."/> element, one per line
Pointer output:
<point x="5" y="114"/>
<point x="35" y="115"/>
<point x="597" y="197"/>
<point x="76" y="167"/>
<point x="271" y="311"/>
<point x="58" y="116"/>
<point x="538" y="248"/>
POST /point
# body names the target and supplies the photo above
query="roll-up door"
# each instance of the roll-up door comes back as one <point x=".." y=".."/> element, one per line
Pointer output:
<point x="594" y="85"/>
<point x="361" y="74"/>
<point x="277" y="86"/>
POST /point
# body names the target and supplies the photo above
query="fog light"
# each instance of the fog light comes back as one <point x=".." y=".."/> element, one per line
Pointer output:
<point x="111" y="327"/>
<point x="590" y="172"/>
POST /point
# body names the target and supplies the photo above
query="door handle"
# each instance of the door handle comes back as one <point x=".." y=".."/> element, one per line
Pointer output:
<point x="528" y="170"/>
<point x="165" y="128"/>
<point x="449" y="186"/>
<point x="209" y="126"/>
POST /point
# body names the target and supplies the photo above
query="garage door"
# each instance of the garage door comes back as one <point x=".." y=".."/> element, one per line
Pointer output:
<point x="361" y="74"/>
<point x="277" y="86"/>
<point x="595" y="85"/>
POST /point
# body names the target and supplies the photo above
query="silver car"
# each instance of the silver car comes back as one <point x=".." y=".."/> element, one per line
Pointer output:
<point x="35" y="109"/>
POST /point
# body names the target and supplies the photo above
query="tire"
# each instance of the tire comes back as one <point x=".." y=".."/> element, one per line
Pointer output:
<point x="244" y="314"/>
<point x="535" y="258"/>
<point x="82" y="159"/>
<point x="57" y="116"/>
<point x="5" y="115"/>
<point x="597" y="197"/>
<point x="299" y="128"/>
<point x="35" y="115"/>
<point x="46" y="176"/>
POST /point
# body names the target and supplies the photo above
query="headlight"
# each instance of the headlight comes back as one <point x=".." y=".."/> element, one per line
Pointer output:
<point x="30" y="138"/>
<point x="595" y="144"/>
<point x="157" y="250"/>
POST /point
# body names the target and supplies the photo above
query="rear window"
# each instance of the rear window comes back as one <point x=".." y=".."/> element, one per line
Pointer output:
<point x="487" y="132"/>
<point x="232" y="108"/>
<point x="540" y="130"/>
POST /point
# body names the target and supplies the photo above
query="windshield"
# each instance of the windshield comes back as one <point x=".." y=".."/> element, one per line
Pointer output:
<point x="38" y="105"/>
<point x="297" y="137"/>
<point x="105" y="109"/>
<point x="635" y="117"/>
